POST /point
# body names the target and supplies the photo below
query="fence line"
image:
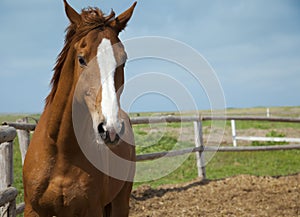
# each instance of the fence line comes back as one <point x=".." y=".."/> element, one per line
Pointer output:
<point x="171" y="118"/>
<point x="197" y="121"/>
<point x="7" y="135"/>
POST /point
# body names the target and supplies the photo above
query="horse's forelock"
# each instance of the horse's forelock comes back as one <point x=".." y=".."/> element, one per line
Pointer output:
<point x="91" y="18"/>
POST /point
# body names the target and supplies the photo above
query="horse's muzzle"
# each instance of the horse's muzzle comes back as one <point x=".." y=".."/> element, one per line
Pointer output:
<point x="110" y="135"/>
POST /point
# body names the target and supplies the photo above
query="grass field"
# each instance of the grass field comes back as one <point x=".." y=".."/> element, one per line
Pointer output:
<point x="275" y="163"/>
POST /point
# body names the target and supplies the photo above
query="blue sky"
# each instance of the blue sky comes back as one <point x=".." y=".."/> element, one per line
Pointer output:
<point x="253" y="46"/>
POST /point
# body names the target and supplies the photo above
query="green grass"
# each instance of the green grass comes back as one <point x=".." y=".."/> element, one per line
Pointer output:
<point x="263" y="125"/>
<point x="268" y="163"/>
<point x="272" y="133"/>
<point x="186" y="172"/>
<point x="14" y="117"/>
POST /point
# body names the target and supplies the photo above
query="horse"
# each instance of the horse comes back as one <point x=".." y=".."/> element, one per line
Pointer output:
<point x="59" y="177"/>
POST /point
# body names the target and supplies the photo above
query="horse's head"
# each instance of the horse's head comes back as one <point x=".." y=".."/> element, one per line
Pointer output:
<point x="99" y="67"/>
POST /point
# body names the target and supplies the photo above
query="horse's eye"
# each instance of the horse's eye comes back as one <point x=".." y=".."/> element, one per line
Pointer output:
<point x="82" y="61"/>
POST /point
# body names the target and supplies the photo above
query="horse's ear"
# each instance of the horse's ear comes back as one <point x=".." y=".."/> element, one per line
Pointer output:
<point x="73" y="16"/>
<point x="120" y="22"/>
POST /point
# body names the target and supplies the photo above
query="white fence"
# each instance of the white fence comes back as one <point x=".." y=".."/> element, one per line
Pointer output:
<point x="257" y="138"/>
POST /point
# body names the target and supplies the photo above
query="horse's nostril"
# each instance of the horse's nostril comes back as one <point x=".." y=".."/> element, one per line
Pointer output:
<point x="102" y="131"/>
<point x="110" y="134"/>
<point x="101" y="128"/>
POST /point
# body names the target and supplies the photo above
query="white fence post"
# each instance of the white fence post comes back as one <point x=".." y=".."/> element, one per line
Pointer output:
<point x="199" y="154"/>
<point x="233" y="133"/>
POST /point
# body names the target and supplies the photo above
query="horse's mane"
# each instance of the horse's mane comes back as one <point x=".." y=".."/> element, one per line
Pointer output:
<point x="91" y="18"/>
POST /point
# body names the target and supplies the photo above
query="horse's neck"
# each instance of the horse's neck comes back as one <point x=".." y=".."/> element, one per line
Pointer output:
<point x="59" y="111"/>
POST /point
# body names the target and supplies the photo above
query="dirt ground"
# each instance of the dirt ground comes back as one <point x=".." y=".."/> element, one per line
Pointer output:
<point x="242" y="195"/>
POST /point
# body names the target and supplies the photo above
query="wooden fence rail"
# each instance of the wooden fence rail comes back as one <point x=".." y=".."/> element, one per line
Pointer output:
<point x="173" y="153"/>
<point x="8" y="202"/>
<point x="171" y="118"/>
<point x="7" y="195"/>
<point x="7" y="134"/>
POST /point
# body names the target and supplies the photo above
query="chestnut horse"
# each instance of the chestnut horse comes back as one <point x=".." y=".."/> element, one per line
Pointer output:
<point x="60" y="178"/>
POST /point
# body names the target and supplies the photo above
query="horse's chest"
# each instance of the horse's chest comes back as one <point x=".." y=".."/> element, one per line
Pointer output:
<point x="70" y="192"/>
<point x="67" y="193"/>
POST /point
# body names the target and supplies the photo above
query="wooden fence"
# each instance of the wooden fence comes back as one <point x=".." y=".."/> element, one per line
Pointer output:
<point x="24" y="128"/>
<point x="7" y="193"/>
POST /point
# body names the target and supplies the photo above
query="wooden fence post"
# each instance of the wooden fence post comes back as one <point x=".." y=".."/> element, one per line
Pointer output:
<point x="6" y="165"/>
<point x="24" y="138"/>
<point x="7" y="134"/>
<point x="199" y="154"/>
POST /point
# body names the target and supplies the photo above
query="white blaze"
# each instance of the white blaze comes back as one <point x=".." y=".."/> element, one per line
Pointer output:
<point x="107" y="64"/>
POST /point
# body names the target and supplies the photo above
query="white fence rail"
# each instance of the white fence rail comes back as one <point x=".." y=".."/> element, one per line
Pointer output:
<point x="257" y="138"/>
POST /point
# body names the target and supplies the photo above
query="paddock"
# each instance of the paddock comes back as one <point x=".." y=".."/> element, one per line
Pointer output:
<point x="242" y="195"/>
